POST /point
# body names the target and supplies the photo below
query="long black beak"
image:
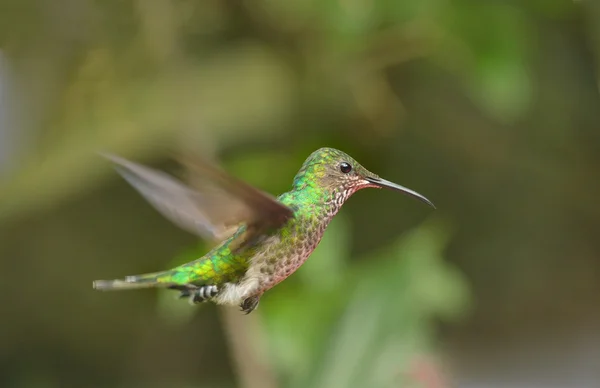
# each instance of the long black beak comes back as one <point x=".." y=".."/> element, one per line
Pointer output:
<point x="391" y="185"/>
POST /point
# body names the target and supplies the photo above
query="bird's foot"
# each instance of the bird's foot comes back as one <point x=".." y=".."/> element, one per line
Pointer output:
<point x="249" y="304"/>
<point x="198" y="294"/>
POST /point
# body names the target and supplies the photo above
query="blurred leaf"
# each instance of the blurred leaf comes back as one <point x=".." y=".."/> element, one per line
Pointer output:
<point x="348" y="22"/>
<point x="502" y="86"/>
<point x="299" y="321"/>
<point x="353" y="337"/>
<point x="367" y="328"/>
<point x="289" y="15"/>
<point x="495" y="57"/>
<point x="436" y="287"/>
<point x="149" y="114"/>
<point x="396" y="298"/>
<point x="561" y="9"/>
<point x="406" y="11"/>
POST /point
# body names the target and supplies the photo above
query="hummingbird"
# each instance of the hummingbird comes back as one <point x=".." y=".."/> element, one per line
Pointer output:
<point x="260" y="240"/>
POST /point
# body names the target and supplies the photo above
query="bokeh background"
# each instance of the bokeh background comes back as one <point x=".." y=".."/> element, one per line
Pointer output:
<point x="488" y="108"/>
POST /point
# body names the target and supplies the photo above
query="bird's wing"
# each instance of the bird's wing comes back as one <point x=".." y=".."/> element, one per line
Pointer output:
<point x="214" y="209"/>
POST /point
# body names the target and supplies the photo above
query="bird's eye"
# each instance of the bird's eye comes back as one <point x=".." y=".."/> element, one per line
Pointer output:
<point x="345" y="167"/>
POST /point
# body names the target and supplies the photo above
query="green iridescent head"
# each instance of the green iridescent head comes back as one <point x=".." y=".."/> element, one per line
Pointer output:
<point x="337" y="173"/>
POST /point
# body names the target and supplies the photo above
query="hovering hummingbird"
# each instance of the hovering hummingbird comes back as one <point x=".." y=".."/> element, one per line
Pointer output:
<point x="263" y="239"/>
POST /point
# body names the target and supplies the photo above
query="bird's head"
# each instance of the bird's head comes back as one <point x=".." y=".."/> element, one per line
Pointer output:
<point x="335" y="172"/>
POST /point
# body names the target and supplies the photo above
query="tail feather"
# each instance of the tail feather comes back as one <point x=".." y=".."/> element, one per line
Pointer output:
<point x="130" y="283"/>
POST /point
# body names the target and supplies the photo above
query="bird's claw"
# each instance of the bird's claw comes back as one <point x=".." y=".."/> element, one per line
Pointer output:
<point x="249" y="304"/>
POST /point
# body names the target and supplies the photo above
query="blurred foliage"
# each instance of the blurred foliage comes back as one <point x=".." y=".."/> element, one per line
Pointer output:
<point x="488" y="108"/>
<point x="365" y="328"/>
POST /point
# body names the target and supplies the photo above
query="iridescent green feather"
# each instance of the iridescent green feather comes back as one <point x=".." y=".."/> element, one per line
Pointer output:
<point x="217" y="266"/>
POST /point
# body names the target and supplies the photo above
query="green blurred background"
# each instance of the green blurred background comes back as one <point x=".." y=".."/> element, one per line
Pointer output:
<point x="488" y="108"/>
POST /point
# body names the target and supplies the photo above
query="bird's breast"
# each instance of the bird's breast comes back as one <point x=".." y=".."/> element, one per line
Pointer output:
<point x="285" y="252"/>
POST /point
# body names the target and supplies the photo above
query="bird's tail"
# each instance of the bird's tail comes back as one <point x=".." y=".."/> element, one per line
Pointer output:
<point x="132" y="282"/>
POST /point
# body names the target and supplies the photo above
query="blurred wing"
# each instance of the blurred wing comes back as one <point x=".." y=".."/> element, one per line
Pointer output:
<point x="214" y="209"/>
